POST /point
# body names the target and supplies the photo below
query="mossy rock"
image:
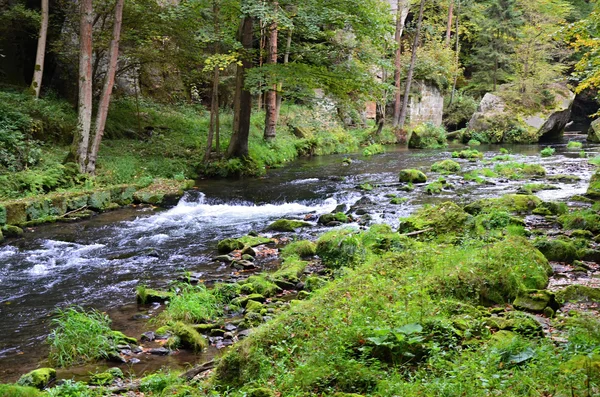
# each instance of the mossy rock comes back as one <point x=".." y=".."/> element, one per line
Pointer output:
<point x="563" y="178"/>
<point x="121" y="338"/>
<point x="535" y="300"/>
<point x="242" y="301"/>
<point x="445" y="166"/>
<point x="15" y="212"/>
<point x="253" y="241"/>
<point x="437" y="187"/>
<point x="412" y="176"/>
<point x="302" y="249"/>
<point x="287" y="225"/>
<point x="557" y="249"/>
<point x="99" y="200"/>
<point x="254" y="306"/>
<point x="443" y="218"/>
<point x="19" y="391"/>
<point x="125" y="196"/>
<point x="188" y="336"/>
<point x="148" y="295"/>
<point x="148" y="197"/>
<point x="468" y="154"/>
<point x="261" y="392"/>
<point x="228" y="245"/>
<point x="260" y="285"/>
<point x="340" y="248"/>
<point x="77" y="201"/>
<point x="593" y="190"/>
<point x="398" y="200"/>
<point x="58" y="205"/>
<point x="515" y="203"/>
<point x="11" y="231"/>
<point x="577" y="293"/>
<point x="336" y="217"/>
<point x="313" y="283"/>
<point x="291" y="269"/>
<point x="38" y="378"/>
<point x="594" y="132"/>
<point x="1" y="236"/>
<point x="107" y="377"/>
<point x="37" y="209"/>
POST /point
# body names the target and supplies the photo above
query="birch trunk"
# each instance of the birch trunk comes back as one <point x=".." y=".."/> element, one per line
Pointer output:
<point x="38" y="71"/>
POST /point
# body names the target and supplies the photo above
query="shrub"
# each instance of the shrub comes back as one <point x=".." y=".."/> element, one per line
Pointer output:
<point x="373" y="149"/>
<point x="460" y="111"/>
<point x="547" y="152"/>
<point x="427" y="136"/>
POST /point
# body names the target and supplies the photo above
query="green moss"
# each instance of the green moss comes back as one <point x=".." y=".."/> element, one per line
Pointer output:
<point x="557" y="250"/>
<point x="443" y="218"/>
<point x="534" y="300"/>
<point x="261" y="392"/>
<point x="586" y="219"/>
<point x="576" y="293"/>
<point x="563" y="178"/>
<point x="11" y="231"/>
<point x="530" y="188"/>
<point x="242" y="301"/>
<point x="341" y="248"/>
<point x="287" y="225"/>
<point x="547" y="152"/>
<point x="302" y="248"/>
<point x="468" y="154"/>
<point x="186" y="336"/>
<point x="253" y="306"/>
<point x="18" y="391"/>
<point x="437" y="187"/>
<point x="519" y="170"/>
<point x="253" y="241"/>
<point x="228" y="245"/>
<point x="99" y="200"/>
<point x="574" y="145"/>
<point x="148" y="295"/>
<point x="260" y="285"/>
<point x="412" y="176"/>
<point x="291" y="269"/>
<point x="398" y="200"/>
<point x="514" y="203"/>
<point x="427" y="136"/>
<point x="445" y="166"/>
<point x="336" y="217"/>
<point x="593" y="190"/>
<point x="38" y="378"/>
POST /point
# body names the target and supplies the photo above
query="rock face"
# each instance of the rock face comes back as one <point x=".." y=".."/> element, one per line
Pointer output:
<point x="594" y="132"/>
<point x="427" y="107"/>
<point x="499" y="122"/>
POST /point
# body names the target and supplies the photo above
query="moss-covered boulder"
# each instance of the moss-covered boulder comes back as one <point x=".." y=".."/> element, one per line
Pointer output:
<point x="148" y="295"/>
<point x="301" y="248"/>
<point x="242" y="301"/>
<point x="148" y="197"/>
<point x="11" y="231"/>
<point x="445" y="166"/>
<point x="75" y="201"/>
<point x="254" y="306"/>
<point x="38" y="378"/>
<point x="515" y="203"/>
<point x="99" y="200"/>
<point x="340" y="217"/>
<point x="412" y="176"/>
<point x="578" y="293"/>
<point x="253" y="241"/>
<point x="557" y="249"/>
<point x="2" y="215"/>
<point x="340" y="248"/>
<point x="261" y="392"/>
<point x="19" y="391"/>
<point x="594" y="132"/>
<point x="187" y="336"/>
<point x="15" y="212"/>
<point x="593" y="190"/>
<point x="229" y="244"/>
<point x="468" y="154"/>
<point x="535" y="300"/>
<point x="287" y="225"/>
<point x="439" y="219"/>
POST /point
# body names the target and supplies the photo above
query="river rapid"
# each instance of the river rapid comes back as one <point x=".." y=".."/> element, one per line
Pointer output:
<point x="99" y="262"/>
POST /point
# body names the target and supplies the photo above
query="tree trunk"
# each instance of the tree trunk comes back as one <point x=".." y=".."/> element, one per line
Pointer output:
<point x="109" y="82"/>
<point x="401" y="14"/>
<point x="38" y="71"/>
<point x="286" y="59"/>
<point x="456" y="51"/>
<point x="411" y="68"/>
<point x="213" y="128"/>
<point x="84" y="117"/>
<point x="271" y="100"/>
<point x="238" y="146"/>
<point x="449" y="24"/>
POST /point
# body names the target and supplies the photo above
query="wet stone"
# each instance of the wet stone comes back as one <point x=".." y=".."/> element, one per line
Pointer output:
<point x="228" y="335"/>
<point x="159" y="351"/>
<point x="148" y="336"/>
<point x="134" y="360"/>
<point x="229" y="327"/>
<point x="140" y="316"/>
<point x="137" y="350"/>
<point x="243" y="334"/>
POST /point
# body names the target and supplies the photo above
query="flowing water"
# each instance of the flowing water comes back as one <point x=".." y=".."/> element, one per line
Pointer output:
<point x="99" y="262"/>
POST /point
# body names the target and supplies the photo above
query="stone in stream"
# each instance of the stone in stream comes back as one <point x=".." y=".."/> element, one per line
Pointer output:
<point x="159" y="351"/>
<point x="148" y="336"/>
<point x="249" y="251"/>
<point x="223" y="258"/>
<point x="38" y="378"/>
<point x="286" y="225"/>
<point x="243" y="265"/>
<point x="412" y="176"/>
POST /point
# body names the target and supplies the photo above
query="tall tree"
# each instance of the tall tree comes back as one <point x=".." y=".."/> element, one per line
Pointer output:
<point x="411" y="68"/>
<point x="84" y="118"/>
<point x="449" y="22"/>
<point x="214" y="126"/>
<point x="238" y="145"/>
<point x="271" y="97"/>
<point x="109" y="81"/>
<point x="401" y="14"/>
<point x="38" y="71"/>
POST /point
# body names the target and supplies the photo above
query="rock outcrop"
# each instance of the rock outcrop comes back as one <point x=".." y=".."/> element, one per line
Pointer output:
<point x="594" y="132"/>
<point x="427" y="107"/>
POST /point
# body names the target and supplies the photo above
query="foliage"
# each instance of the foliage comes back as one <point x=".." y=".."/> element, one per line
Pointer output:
<point x="373" y="150"/>
<point x="427" y="136"/>
<point x="547" y="151"/>
<point x="584" y="39"/>
<point x="459" y="112"/>
<point x="81" y="336"/>
<point x="574" y="145"/>
<point x="193" y="304"/>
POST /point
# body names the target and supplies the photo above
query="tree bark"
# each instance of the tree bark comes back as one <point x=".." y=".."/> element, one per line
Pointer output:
<point x="449" y="24"/>
<point x="286" y="59"/>
<point x="84" y="117"/>
<point x="109" y="82"/>
<point x="271" y="100"/>
<point x="401" y="14"/>
<point x="213" y="128"/>
<point x="38" y="71"/>
<point x="411" y="68"/>
<point x="457" y="53"/>
<point x="238" y="146"/>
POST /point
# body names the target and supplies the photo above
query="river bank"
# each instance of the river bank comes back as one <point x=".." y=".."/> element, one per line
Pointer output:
<point x="384" y="184"/>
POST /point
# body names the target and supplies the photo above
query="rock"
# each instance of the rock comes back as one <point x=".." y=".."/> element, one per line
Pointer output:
<point x="445" y="166"/>
<point x="427" y="106"/>
<point x="285" y="285"/>
<point x="248" y="258"/>
<point x="261" y="392"/>
<point x="228" y="245"/>
<point x="159" y="351"/>
<point x="412" y="176"/>
<point x="229" y="327"/>
<point x="535" y="300"/>
<point x="243" y="300"/>
<point x="148" y="295"/>
<point x="223" y="258"/>
<point x="254" y="307"/>
<point x="501" y="123"/>
<point x="217" y="332"/>
<point x="594" y="132"/>
<point x="228" y="335"/>
<point x="243" y="334"/>
<point x="2" y="215"/>
<point x="38" y="378"/>
<point x="249" y="251"/>
<point x="243" y="265"/>
<point x="557" y="249"/>
<point x="287" y="225"/>
<point x="148" y="336"/>
<point x="593" y="190"/>
<point x="99" y="200"/>
<point x="325" y="219"/>
<point x="577" y="293"/>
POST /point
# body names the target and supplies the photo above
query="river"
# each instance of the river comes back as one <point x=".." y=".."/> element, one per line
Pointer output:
<point x="99" y="262"/>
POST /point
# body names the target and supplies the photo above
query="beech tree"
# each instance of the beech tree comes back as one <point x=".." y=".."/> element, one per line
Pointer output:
<point x="271" y="97"/>
<point x="401" y="14"/>
<point x="38" y="70"/>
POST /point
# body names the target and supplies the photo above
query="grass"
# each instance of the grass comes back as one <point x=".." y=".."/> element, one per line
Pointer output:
<point x="193" y="304"/>
<point x="81" y="336"/>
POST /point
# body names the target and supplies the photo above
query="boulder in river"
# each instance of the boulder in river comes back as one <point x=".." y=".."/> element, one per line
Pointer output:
<point x="38" y="378"/>
<point x="412" y="176"/>
<point x="286" y="225"/>
<point x="499" y="120"/>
